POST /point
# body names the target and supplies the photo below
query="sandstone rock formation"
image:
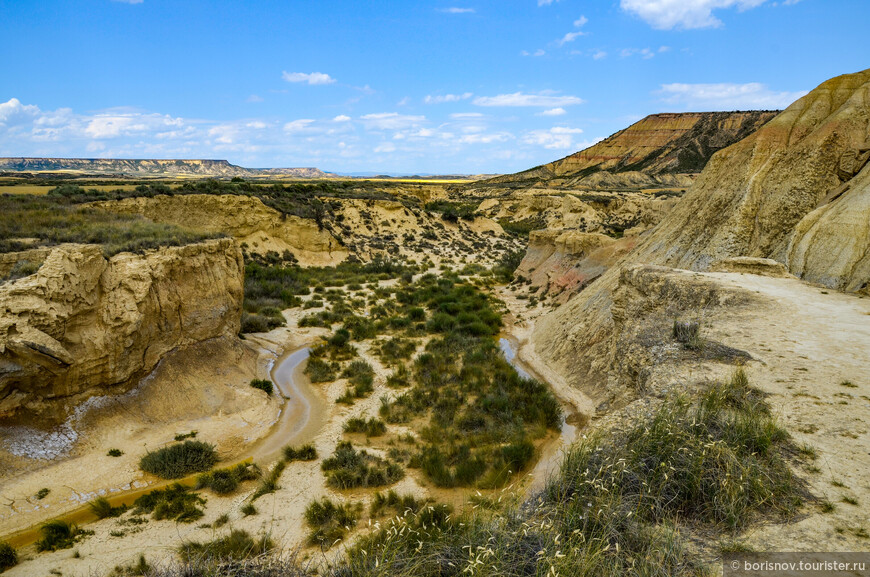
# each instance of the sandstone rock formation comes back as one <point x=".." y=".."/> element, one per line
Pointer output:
<point x="757" y="198"/>
<point x="562" y="262"/>
<point x="83" y="323"/>
<point x="653" y="151"/>
<point x="246" y="218"/>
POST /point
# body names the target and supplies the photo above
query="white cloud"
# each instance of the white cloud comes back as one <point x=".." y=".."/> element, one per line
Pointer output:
<point x="300" y="125"/>
<point x="254" y="98"/>
<point x="454" y="10"/>
<point x="385" y="147"/>
<point x="257" y="125"/>
<point x="644" y="53"/>
<point x="546" y="2"/>
<point x="129" y="1"/>
<point x="727" y="96"/>
<point x="570" y="37"/>
<point x="391" y="120"/>
<point x="556" y="138"/>
<point x="309" y="78"/>
<point x="554" y="112"/>
<point x="441" y="98"/>
<point x="466" y="115"/>
<point x="538" y="52"/>
<point x="478" y="138"/>
<point x="599" y="55"/>
<point x="521" y="99"/>
<point x="341" y="118"/>
<point x="12" y="111"/>
<point x="687" y="14"/>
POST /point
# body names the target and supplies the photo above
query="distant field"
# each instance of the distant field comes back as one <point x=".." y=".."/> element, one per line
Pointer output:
<point x="43" y="189"/>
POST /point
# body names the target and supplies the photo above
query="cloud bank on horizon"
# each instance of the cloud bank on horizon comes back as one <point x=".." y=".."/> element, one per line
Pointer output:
<point x="437" y="89"/>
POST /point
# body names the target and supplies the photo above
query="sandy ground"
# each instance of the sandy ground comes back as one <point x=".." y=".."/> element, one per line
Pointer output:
<point x="807" y="342"/>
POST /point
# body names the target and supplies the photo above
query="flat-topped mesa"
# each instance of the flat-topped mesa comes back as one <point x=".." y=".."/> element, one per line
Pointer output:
<point x="84" y="324"/>
<point x="658" y="148"/>
<point x="145" y="167"/>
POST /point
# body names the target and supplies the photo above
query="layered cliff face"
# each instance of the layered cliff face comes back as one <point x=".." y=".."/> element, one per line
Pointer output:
<point x="752" y="196"/>
<point x="83" y="323"/>
<point x="660" y="149"/>
<point x="559" y="263"/>
<point x="150" y="167"/>
<point x="795" y="191"/>
<point x="260" y="228"/>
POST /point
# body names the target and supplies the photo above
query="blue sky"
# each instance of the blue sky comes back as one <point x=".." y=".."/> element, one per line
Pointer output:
<point x="478" y="86"/>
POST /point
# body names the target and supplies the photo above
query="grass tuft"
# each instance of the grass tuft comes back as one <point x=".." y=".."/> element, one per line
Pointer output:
<point x="176" y="461"/>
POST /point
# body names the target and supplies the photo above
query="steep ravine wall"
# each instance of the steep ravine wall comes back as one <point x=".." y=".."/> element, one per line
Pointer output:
<point x="84" y="323"/>
<point x="795" y="191"/>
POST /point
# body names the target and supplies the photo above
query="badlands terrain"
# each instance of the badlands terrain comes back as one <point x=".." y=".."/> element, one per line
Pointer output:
<point x="630" y="360"/>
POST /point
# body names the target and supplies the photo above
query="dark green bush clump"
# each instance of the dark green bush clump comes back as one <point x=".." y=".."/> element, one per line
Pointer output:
<point x="263" y="385"/>
<point x="103" y="509"/>
<point x="42" y="493"/>
<point x="8" y="556"/>
<point x="225" y="481"/>
<point x="237" y="545"/>
<point x="176" y="502"/>
<point x="319" y="371"/>
<point x="400" y="504"/>
<point x="348" y="468"/>
<point x="330" y="522"/>
<point x="303" y="453"/>
<point x="115" y="453"/>
<point x="371" y="428"/>
<point x="176" y="461"/>
<point x="59" y="535"/>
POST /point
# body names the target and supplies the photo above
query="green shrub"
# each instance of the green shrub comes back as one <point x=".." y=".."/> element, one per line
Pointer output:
<point x="371" y="428"/>
<point x="400" y="504"/>
<point x="303" y="453"/>
<point x="183" y="436"/>
<point x="59" y="534"/>
<point x="42" y="493"/>
<point x="248" y="509"/>
<point x="263" y="384"/>
<point x="319" y="371"/>
<point x="176" y="461"/>
<point x="237" y="545"/>
<point x="269" y="483"/>
<point x="103" y="509"/>
<point x="330" y="522"/>
<point x="225" y="481"/>
<point x="348" y="469"/>
<point x="176" y="502"/>
<point x="115" y="453"/>
<point x="8" y="556"/>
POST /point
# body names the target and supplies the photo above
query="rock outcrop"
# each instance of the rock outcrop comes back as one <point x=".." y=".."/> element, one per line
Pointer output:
<point x="259" y="227"/>
<point x="795" y="191"/>
<point x="659" y="150"/>
<point x="83" y="323"/>
<point x="560" y="263"/>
